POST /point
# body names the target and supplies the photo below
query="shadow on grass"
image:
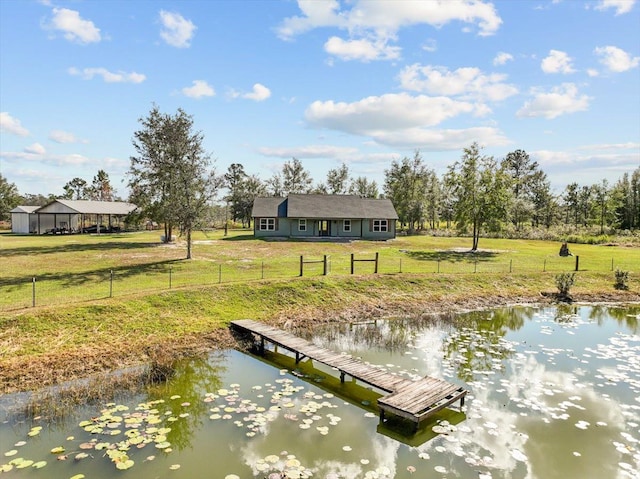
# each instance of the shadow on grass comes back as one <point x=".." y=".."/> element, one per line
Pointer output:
<point x="96" y="276"/>
<point x="75" y="248"/>
<point x="451" y="256"/>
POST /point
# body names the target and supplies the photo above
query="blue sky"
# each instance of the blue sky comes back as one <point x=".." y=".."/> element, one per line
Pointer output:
<point x="363" y="82"/>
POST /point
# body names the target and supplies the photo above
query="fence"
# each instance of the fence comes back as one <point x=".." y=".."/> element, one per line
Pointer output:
<point x="52" y="289"/>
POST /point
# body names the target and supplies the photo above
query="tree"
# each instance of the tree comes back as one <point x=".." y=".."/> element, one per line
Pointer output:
<point x="602" y="194"/>
<point x="521" y="169"/>
<point x="361" y="186"/>
<point x="9" y="198"/>
<point x="405" y="185"/>
<point x="572" y="203"/>
<point x="101" y="189"/>
<point x="76" y="189"/>
<point x="295" y="179"/>
<point x="171" y="177"/>
<point x="234" y="180"/>
<point x="480" y="190"/>
<point x="274" y="185"/>
<point x="338" y="180"/>
<point x="626" y="194"/>
<point x="545" y="206"/>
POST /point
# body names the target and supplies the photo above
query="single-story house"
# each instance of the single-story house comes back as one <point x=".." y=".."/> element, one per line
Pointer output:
<point x="330" y="216"/>
<point x="69" y="216"/>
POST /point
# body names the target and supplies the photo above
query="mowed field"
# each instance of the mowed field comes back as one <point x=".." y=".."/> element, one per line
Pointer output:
<point x="72" y="306"/>
<point x="64" y="269"/>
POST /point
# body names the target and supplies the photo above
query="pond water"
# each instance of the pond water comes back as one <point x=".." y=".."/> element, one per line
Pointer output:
<point x="554" y="393"/>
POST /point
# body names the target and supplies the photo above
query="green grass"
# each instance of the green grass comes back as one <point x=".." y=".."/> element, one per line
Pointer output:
<point x="74" y="269"/>
<point x="77" y="329"/>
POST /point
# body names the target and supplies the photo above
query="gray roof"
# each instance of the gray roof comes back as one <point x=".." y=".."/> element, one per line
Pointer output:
<point x="24" y="209"/>
<point x="324" y="207"/>
<point x="88" y="207"/>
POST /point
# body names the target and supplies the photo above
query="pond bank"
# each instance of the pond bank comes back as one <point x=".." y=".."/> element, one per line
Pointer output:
<point x="44" y="347"/>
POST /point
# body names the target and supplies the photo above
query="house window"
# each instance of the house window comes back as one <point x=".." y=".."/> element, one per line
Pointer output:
<point x="346" y="226"/>
<point x="302" y="225"/>
<point x="267" y="224"/>
<point x="380" y="225"/>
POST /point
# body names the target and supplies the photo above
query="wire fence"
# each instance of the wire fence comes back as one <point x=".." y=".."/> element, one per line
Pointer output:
<point x="68" y="288"/>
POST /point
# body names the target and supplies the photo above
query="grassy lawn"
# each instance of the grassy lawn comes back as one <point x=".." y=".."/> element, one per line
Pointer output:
<point x="72" y="269"/>
<point x="84" y="323"/>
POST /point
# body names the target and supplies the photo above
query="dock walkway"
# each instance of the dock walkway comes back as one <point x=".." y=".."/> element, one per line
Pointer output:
<point x="410" y="399"/>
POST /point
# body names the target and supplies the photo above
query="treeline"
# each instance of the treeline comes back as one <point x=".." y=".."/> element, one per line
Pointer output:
<point x="477" y="193"/>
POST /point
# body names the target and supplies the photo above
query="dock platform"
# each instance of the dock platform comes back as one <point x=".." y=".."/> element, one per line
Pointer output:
<point x="413" y="400"/>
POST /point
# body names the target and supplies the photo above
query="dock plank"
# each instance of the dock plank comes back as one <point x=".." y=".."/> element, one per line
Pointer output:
<point x="410" y="399"/>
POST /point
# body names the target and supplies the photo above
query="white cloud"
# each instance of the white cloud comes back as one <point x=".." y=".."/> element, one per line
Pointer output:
<point x="12" y="125"/>
<point x="107" y="76"/>
<point x="465" y="82"/>
<point x="259" y="93"/>
<point x="177" y="31"/>
<point x="60" y="136"/>
<point x="616" y="59"/>
<point x="592" y="72"/>
<point x="440" y="140"/>
<point x="501" y="58"/>
<point x="74" y="28"/>
<point x="430" y="45"/>
<point x="561" y="100"/>
<point x="557" y="62"/>
<point x="199" y="89"/>
<point x="621" y="6"/>
<point x="310" y="151"/>
<point x="373" y="25"/>
<point x="386" y="112"/>
<point x="36" y="149"/>
<point x="72" y="159"/>
<point x="389" y="17"/>
<point x="363" y="49"/>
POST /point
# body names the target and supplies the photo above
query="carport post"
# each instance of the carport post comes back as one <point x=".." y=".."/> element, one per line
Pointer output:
<point x="33" y="294"/>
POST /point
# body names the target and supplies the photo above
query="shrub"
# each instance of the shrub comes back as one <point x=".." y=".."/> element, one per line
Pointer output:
<point x="564" y="282"/>
<point x="622" y="279"/>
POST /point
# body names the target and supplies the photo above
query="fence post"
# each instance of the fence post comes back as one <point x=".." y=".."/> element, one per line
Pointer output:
<point x="438" y="266"/>
<point x="324" y="266"/>
<point x="262" y="274"/>
<point x="611" y="264"/>
<point x="352" y="263"/>
<point x="220" y="273"/>
<point x="510" y="266"/>
<point x="111" y="284"/>
<point x="301" y="265"/>
<point x="400" y="265"/>
<point x="376" y="267"/>
<point x="544" y="268"/>
<point x="577" y="262"/>
<point x="33" y="293"/>
<point x="170" y="271"/>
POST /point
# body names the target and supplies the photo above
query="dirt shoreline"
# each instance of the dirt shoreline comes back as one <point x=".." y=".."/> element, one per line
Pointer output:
<point x="25" y="374"/>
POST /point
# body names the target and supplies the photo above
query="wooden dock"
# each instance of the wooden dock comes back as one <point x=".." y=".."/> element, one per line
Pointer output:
<point x="413" y="400"/>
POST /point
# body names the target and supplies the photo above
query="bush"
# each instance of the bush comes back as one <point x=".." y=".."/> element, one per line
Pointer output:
<point x="564" y="282"/>
<point x="622" y="279"/>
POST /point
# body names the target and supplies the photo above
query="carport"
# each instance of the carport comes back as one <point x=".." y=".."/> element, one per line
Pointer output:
<point x="78" y="216"/>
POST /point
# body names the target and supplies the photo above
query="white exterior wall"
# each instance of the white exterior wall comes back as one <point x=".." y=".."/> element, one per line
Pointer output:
<point x="20" y="223"/>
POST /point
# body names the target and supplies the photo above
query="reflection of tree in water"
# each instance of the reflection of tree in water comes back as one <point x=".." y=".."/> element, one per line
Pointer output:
<point x="626" y="315"/>
<point x="192" y="379"/>
<point x="388" y="334"/>
<point x="479" y="339"/>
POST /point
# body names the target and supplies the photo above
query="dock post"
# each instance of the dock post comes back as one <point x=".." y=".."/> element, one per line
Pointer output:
<point x="341" y="376"/>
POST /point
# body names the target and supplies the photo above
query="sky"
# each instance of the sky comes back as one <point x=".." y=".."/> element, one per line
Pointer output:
<point x="364" y="82"/>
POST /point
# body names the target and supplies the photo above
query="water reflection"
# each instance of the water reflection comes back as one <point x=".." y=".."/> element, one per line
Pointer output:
<point x="554" y="393"/>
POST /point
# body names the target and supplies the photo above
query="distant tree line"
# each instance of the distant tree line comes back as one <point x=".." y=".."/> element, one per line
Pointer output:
<point x="174" y="182"/>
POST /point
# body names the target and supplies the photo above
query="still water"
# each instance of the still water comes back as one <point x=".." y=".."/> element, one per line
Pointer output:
<point x="554" y="393"/>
